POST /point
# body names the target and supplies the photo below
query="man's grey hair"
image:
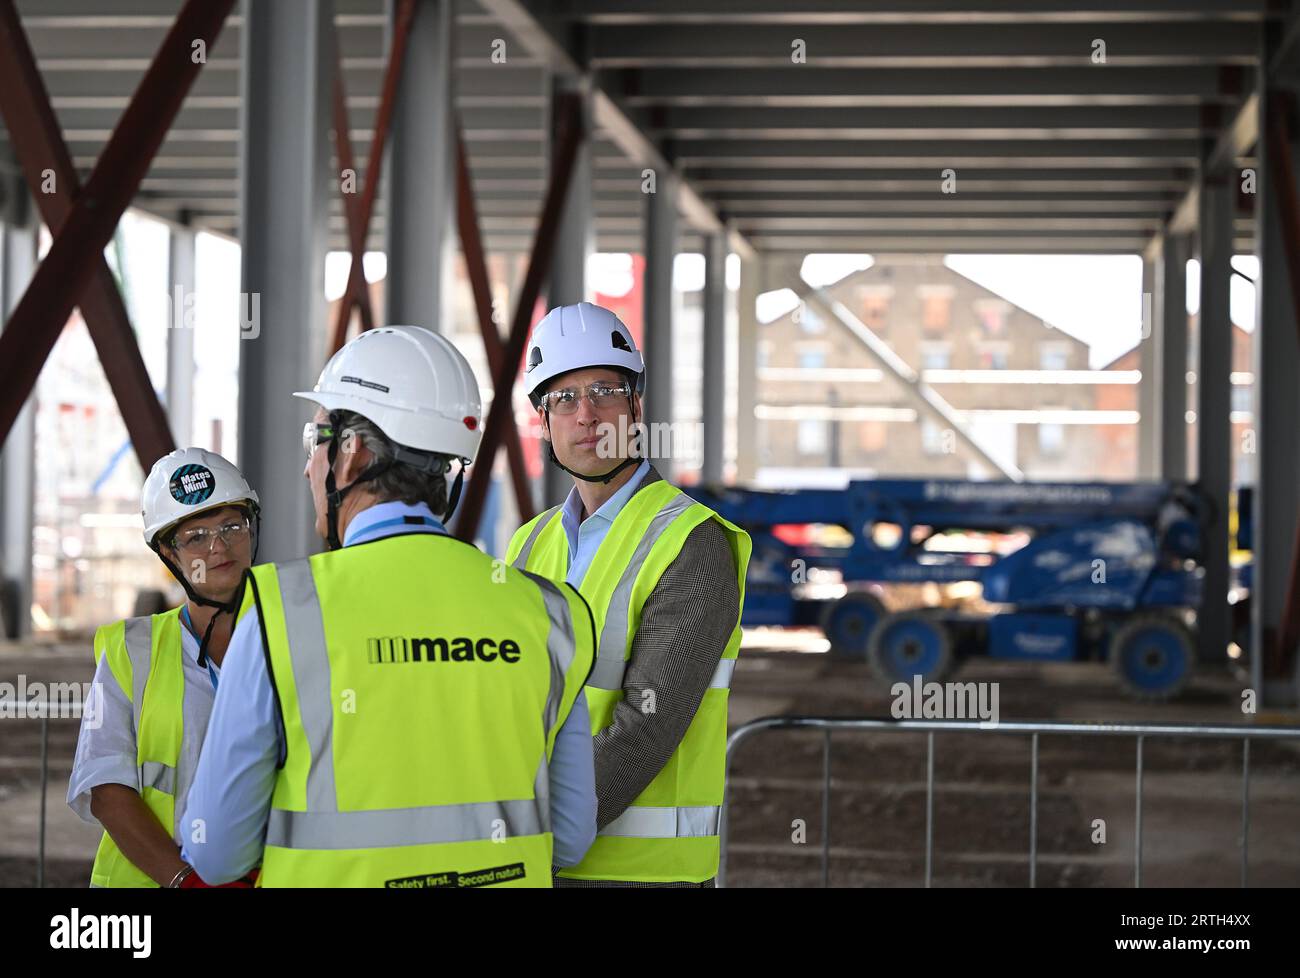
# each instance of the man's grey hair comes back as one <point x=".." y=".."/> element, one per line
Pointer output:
<point x="399" y="481"/>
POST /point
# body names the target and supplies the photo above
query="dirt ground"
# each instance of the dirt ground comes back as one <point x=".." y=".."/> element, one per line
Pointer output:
<point x="1192" y="788"/>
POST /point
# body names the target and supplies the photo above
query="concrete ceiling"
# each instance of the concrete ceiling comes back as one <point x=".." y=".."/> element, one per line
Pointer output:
<point x="844" y="151"/>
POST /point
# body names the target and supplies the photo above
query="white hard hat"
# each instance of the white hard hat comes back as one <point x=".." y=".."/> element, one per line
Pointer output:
<point x="413" y="384"/>
<point x="187" y="482"/>
<point x="579" y="336"/>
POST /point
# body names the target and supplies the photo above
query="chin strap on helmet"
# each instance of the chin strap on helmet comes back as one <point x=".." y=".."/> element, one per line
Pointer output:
<point x="333" y="494"/>
<point x="231" y="606"/>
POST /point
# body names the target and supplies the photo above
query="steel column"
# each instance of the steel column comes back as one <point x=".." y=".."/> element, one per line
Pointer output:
<point x="714" y="374"/>
<point x="180" y="335"/>
<point x="747" y="388"/>
<point x="18" y="460"/>
<point x="421" y="174"/>
<point x="1214" y="405"/>
<point x="1148" y="437"/>
<point x="1171" y="358"/>
<point x="575" y="244"/>
<point x="1277" y="405"/>
<point x="657" y="342"/>
<point x="288" y="60"/>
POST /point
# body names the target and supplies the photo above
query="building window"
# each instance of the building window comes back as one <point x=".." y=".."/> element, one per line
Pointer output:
<point x="994" y="357"/>
<point x="936" y="356"/>
<point x="872" y="435"/>
<point x="812" y="359"/>
<point x="809" y="321"/>
<point x="1243" y="399"/>
<point x="992" y="315"/>
<point x="1053" y="356"/>
<point x="811" y="438"/>
<point x="936" y="313"/>
<point x="934" y="439"/>
<point x="1051" y="440"/>
<point x="874" y="308"/>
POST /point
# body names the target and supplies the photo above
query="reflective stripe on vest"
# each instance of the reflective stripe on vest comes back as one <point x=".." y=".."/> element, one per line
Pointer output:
<point x="305" y="628"/>
<point x="611" y="654"/>
<point x="160" y="776"/>
<point x="522" y="560"/>
<point x="138" y="636"/>
<point x="425" y="825"/>
<point x="646" y="822"/>
<point x="559" y="645"/>
<point x="322" y="825"/>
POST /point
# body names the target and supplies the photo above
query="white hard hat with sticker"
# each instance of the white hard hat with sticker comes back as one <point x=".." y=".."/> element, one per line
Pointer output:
<point x="187" y="482"/>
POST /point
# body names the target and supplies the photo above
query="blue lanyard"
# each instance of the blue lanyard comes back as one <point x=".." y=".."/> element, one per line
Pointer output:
<point x="185" y="613"/>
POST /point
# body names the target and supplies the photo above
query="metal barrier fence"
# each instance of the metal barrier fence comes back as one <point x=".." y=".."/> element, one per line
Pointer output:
<point x="1244" y="733"/>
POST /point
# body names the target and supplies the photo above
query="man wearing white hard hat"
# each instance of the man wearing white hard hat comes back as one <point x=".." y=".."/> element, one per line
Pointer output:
<point x="401" y="711"/>
<point x="665" y="578"/>
<point x="156" y="677"/>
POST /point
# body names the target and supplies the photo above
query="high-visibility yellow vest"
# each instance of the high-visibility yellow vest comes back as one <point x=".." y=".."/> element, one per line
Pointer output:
<point x="670" y="831"/>
<point x="146" y="660"/>
<point x="422" y="685"/>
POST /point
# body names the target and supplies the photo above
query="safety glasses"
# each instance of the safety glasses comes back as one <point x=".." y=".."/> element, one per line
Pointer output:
<point x="313" y="434"/>
<point x="601" y="395"/>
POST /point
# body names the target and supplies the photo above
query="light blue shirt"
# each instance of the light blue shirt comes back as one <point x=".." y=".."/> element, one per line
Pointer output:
<point x="232" y="788"/>
<point x="585" y="535"/>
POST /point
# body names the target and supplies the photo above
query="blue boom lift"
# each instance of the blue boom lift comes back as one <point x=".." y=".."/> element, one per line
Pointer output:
<point x="1108" y="572"/>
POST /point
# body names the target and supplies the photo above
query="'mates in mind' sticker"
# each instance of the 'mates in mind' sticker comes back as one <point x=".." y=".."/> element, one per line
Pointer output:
<point x="192" y="484"/>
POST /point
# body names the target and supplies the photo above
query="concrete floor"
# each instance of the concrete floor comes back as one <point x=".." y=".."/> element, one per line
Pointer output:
<point x="1192" y="788"/>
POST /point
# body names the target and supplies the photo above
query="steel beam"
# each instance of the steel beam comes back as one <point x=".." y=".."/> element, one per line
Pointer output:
<point x="747" y="391"/>
<point x="714" y="353"/>
<point x="77" y="272"/>
<point x="360" y="212"/>
<point x="287" y="55"/>
<point x="422" y="173"/>
<point x="1214" y="407"/>
<point x="480" y="286"/>
<point x="866" y="87"/>
<point x="575" y="244"/>
<point x="1275" y="595"/>
<point x="1148" y="457"/>
<point x="657" y="342"/>
<point x="611" y="117"/>
<point x="539" y="266"/>
<point x="181" y="282"/>
<point x="665" y="12"/>
<point x="1171" y="358"/>
<point x="1005" y="45"/>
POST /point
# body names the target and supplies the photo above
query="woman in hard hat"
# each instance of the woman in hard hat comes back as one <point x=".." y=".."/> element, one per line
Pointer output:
<point x="156" y="677"/>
